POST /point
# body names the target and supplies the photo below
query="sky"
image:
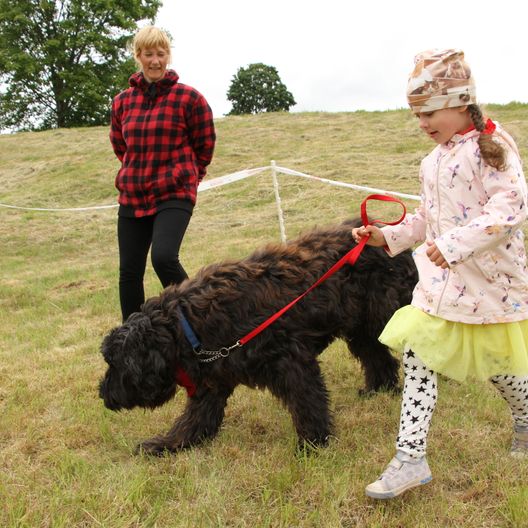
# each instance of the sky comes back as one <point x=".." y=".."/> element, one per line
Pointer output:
<point x="345" y="55"/>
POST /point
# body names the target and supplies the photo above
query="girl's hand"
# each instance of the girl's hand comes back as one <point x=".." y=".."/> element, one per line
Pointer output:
<point x="377" y="238"/>
<point x="435" y="256"/>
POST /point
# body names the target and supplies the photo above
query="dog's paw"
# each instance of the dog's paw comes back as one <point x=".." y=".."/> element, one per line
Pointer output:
<point x="310" y="447"/>
<point x="366" y="392"/>
<point x="154" y="447"/>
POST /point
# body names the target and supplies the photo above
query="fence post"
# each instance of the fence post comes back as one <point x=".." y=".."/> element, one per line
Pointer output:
<point x="278" y="200"/>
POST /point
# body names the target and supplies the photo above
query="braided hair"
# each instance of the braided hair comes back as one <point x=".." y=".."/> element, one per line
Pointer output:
<point x="492" y="152"/>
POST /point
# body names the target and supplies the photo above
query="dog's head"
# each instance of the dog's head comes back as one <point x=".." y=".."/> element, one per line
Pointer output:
<point x="141" y="359"/>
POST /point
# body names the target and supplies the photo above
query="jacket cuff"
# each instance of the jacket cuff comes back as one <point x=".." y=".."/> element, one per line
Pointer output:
<point x="392" y="247"/>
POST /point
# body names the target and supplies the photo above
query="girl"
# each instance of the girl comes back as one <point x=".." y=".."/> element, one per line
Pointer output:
<point x="469" y="313"/>
<point x="163" y="133"/>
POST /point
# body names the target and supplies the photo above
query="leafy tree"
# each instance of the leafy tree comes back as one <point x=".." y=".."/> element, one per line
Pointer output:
<point x="62" y="61"/>
<point x="258" y="88"/>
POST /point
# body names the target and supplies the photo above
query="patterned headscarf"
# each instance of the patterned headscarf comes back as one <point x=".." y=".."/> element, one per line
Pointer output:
<point x="440" y="79"/>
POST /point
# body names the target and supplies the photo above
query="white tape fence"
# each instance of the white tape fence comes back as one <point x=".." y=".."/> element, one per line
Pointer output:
<point x="234" y="177"/>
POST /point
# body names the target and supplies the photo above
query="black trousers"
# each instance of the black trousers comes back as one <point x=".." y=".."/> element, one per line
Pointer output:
<point x="163" y="231"/>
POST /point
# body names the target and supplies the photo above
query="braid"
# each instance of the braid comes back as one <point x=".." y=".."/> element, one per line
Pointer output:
<point x="492" y="153"/>
<point x="476" y="117"/>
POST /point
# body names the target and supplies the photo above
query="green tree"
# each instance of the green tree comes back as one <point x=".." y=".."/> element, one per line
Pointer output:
<point x="258" y="88"/>
<point x="62" y="61"/>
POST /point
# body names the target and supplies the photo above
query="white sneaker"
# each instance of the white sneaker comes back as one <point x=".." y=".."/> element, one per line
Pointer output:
<point x="519" y="448"/>
<point x="400" y="476"/>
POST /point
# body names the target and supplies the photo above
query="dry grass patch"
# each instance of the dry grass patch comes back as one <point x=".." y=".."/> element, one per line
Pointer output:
<point x="66" y="461"/>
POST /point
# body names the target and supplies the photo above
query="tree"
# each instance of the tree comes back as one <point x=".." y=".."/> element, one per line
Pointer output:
<point x="258" y="88"/>
<point x="62" y="61"/>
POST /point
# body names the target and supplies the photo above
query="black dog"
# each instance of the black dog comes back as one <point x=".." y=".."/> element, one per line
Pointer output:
<point x="151" y="353"/>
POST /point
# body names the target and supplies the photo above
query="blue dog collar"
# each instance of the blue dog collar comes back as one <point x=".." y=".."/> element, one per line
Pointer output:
<point x="189" y="332"/>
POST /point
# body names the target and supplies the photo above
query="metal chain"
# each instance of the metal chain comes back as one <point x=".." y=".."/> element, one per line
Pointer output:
<point x="216" y="354"/>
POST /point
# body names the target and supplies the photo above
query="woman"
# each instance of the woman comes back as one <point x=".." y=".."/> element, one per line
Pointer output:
<point x="163" y="133"/>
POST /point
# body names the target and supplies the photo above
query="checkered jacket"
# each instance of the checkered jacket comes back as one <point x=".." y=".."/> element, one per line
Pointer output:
<point x="163" y="134"/>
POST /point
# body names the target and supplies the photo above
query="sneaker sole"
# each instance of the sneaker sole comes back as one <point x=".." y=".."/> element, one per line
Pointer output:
<point x="397" y="491"/>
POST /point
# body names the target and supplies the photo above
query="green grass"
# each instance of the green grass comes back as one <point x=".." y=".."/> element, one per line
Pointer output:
<point x="67" y="461"/>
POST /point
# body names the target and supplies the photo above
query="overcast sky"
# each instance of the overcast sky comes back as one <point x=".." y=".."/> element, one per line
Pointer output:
<point x="345" y="55"/>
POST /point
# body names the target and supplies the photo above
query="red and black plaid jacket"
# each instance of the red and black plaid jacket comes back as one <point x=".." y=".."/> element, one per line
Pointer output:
<point x="164" y="135"/>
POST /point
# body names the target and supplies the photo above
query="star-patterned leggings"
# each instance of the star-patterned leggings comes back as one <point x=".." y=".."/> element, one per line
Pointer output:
<point x="419" y="400"/>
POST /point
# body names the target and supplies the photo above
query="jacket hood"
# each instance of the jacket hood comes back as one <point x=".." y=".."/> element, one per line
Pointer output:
<point x="137" y="80"/>
<point x="499" y="133"/>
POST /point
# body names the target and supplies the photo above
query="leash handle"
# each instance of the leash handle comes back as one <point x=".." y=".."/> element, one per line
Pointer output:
<point x="381" y="198"/>
<point x="350" y="258"/>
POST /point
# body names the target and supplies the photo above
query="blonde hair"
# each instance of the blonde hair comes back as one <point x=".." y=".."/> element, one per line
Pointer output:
<point x="150" y="37"/>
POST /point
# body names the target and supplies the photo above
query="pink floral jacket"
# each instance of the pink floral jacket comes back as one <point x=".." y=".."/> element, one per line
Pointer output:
<point x="473" y="213"/>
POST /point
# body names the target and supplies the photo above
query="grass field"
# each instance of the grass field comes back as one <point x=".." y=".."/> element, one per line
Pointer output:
<point x="65" y="461"/>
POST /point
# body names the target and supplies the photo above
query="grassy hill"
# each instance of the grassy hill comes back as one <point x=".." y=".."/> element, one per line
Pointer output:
<point x="66" y="461"/>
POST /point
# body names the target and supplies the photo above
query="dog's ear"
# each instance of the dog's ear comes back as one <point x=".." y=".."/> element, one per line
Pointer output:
<point x="138" y="322"/>
<point x="110" y="347"/>
<point x="129" y="336"/>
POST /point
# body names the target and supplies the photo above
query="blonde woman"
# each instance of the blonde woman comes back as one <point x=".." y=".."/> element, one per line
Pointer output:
<point x="163" y="133"/>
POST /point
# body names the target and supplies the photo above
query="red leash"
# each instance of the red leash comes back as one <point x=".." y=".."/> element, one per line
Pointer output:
<point x="350" y="258"/>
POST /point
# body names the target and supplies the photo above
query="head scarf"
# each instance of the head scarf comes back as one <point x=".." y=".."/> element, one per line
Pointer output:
<point x="440" y="79"/>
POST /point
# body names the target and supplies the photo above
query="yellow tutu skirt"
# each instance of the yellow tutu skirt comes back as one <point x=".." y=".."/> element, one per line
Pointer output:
<point x="459" y="350"/>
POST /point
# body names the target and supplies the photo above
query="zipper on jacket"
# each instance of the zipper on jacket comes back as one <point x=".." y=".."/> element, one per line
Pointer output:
<point x="438" y="231"/>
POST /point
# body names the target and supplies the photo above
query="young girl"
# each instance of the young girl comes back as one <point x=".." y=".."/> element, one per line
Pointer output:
<point x="469" y="313"/>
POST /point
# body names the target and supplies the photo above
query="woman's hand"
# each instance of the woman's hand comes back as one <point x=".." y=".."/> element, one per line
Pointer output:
<point x="377" y="238"/>
<point x="435" y="256"/>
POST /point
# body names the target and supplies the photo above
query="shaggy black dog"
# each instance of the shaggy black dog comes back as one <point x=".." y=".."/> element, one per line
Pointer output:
<point x="150" y="354"/>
